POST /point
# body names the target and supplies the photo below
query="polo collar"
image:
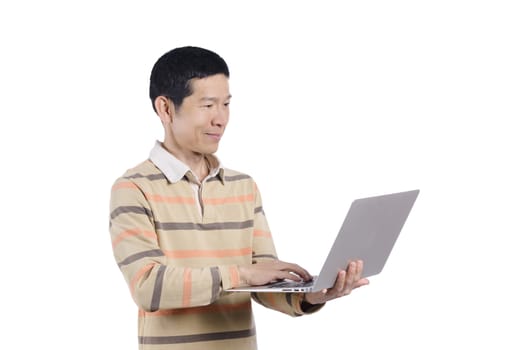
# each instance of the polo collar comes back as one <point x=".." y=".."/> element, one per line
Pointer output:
<point x="175" y="170"/>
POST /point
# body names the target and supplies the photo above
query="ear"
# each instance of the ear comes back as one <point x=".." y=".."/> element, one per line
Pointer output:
<point x="163" y="108"/>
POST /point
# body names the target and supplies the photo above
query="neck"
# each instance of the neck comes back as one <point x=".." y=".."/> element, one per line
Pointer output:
<point x="202" y="170"/>
<point x="196" y="161"/>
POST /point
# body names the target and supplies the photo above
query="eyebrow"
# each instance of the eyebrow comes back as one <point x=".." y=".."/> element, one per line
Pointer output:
<point x="214" y="98"/>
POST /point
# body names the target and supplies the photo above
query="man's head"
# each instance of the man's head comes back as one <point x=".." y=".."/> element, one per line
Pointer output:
<point x="189" y="88"/>
<point x="173" y="73"/>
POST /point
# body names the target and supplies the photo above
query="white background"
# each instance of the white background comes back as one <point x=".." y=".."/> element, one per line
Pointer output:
<point x="330" y="102"/>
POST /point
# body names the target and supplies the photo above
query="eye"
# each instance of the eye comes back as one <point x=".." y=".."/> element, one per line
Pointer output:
<point x="208" y="106"/>
<point x="227" y="103"/>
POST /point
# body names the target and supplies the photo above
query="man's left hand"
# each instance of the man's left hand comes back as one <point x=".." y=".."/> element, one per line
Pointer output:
<point x="346" y="282"/>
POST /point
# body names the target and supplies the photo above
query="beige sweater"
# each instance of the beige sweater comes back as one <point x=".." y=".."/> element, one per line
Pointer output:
<point x="178" y="256"/>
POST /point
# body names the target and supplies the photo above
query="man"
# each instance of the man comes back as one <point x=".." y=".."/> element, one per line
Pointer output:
<point x="185" y="229"/>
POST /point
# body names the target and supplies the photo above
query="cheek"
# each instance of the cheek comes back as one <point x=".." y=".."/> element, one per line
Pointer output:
<point x="180" y="131"/>
<point x="188" y="133"/>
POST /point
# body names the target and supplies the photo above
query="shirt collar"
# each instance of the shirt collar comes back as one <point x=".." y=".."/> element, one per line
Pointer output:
<point x="175" y="170"/>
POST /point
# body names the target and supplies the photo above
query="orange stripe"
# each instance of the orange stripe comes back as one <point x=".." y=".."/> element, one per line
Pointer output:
<point x="133" y="232"/>
<point x="168" y="199"/>
<point x="270" y="299"/>
<point x="187" y="287"/>
<point x="198" y="310"/>
<point x="260" y="233"/>
<point x="223" y="253"/>
<point x="235" y="278"/>
<point x="238" y="199"/>
<point x="138" y="276"/>
<point x="121" y="185"/>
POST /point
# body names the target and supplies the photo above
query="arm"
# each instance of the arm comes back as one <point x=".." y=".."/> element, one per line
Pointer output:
<point x="266" y="268"/>
<point x="154" y="284"/>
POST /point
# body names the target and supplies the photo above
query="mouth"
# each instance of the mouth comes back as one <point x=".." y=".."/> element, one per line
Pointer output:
<point x="214" y="136"/>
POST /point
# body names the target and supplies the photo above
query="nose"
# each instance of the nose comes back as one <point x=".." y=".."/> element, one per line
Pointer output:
<point x="221" y="117"/>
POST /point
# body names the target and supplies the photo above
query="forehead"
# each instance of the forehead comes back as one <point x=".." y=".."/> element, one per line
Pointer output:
<point x="214" y="86"/>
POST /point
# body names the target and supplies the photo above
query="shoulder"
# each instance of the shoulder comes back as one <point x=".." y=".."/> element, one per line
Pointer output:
<point x="242" y="181"/>
<point x="141" y="174"/>
<point x="231" y="175"/>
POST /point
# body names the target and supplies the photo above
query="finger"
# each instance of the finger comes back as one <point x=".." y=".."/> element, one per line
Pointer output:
<point x="359" y="271"/>
<point x="353" y="267"/>
<point x="283" y="270"/>
<point x="287" y="275"/>
<point x="362" y="282"/>
<point x="301" y="272"/>
<point x="360" y="266"/>
<point x="340" y="283"/>
<point x="352" y="276"/>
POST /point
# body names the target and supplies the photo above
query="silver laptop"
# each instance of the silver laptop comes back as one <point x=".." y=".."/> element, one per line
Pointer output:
<point x="369" y="233"/>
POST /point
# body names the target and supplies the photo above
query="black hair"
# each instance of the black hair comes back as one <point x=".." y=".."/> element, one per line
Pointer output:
<point x="173" y="72"/>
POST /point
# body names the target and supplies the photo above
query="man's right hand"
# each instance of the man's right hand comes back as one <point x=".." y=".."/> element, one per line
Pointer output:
<point x="271" y="271"/>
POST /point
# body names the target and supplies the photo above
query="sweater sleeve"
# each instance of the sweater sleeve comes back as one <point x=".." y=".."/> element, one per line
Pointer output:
<point x="155" y="285"/>
<point x="264" y="249"/>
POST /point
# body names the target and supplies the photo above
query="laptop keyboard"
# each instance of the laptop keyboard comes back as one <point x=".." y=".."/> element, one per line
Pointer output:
<point x="292" y="284"/>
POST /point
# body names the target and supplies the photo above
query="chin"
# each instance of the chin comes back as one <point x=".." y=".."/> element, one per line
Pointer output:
<point x="209" y="150"/>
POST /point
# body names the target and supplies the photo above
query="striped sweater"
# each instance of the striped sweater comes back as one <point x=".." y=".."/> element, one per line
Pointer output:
<point x="178" y="260"/>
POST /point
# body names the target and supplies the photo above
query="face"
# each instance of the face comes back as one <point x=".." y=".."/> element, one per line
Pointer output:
<point x="198" y="125"/>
